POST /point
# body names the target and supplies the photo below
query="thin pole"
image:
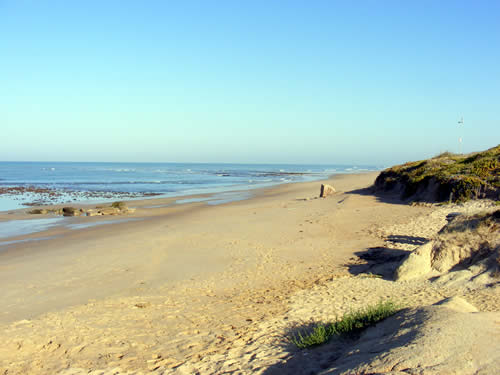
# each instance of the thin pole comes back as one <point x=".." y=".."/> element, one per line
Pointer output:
<point x="460" y="139"/>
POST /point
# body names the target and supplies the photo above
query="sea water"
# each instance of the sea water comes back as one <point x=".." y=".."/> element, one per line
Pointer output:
<point x="84" y="182"/>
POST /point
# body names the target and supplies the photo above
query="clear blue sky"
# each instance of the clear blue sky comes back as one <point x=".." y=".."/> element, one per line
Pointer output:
<point x="373" y="82"/>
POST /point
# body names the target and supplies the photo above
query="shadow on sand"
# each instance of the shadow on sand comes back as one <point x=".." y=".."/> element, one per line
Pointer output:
<point x="409" y="240"/>
<point x="342" y="354"/>
<point x="378" y="261"/>
<point x="384" y="197"/>
<point x="306" y="361"/>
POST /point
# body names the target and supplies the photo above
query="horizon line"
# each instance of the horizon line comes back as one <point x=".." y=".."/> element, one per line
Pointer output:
<point x="181" y="162"/>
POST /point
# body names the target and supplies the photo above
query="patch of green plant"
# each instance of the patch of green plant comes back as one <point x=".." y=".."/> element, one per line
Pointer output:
<point x="447" y="176"/>
<point x="348" y="326"/>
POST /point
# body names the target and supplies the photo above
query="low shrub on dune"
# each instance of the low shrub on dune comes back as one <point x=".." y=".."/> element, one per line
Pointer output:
<point x="446" y="177"/>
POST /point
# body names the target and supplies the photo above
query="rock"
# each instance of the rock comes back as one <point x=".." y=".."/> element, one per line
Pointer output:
<point x="116" y="208"/>
<point x="109" y="211"/>
<point x="71" y="211"/>
<point x="92" y="213"/>
<point x="119" y="205"/>
<point x="326" y="190"/>
<point x="38" y="211"/>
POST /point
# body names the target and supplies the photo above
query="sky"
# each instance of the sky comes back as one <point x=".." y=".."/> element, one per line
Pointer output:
<point x="330" y="82"/>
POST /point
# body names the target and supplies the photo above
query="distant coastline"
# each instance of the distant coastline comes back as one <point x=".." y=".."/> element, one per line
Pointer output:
<point x="25" y="184"/>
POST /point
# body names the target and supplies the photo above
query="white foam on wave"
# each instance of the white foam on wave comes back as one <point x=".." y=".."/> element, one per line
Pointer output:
<point x="120" y="169"/>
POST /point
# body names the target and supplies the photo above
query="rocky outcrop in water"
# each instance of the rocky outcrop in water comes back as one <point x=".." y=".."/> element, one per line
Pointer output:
<point x="116" y="208"/>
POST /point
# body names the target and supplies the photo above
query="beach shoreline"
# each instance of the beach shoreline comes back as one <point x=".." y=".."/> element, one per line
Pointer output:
<point x="189" y="287"/>
<point x="25" y="184"/>
<point x="147" y="203"/>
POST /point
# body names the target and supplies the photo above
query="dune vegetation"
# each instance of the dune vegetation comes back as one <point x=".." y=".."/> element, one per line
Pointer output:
<point x="446" y="177"/>
<point x="348" y="326"/>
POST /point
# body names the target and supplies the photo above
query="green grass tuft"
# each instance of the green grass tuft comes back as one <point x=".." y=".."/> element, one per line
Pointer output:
<point x="350" y="324"/>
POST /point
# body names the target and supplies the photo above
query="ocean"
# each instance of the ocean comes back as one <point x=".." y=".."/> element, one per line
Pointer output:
<point x="24" y="184"/>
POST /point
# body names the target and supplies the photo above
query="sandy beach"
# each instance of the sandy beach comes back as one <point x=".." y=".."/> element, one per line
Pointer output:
<point x="249" y="187"/>
<point x="208" y="289"/>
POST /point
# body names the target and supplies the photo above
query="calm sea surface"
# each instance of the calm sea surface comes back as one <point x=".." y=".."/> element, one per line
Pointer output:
<point x="106" y="181"/>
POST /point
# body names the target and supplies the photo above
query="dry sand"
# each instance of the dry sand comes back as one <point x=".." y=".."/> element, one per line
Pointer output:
<point x="208" y="289"/>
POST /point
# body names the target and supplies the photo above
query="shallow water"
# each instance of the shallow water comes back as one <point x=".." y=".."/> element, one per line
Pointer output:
<point x="97" y="223"/>
<point x="14" y="228"/>
<point x="5" y="243"/>
<point x="191" y="200"/>
<point x="229" y="197"/>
